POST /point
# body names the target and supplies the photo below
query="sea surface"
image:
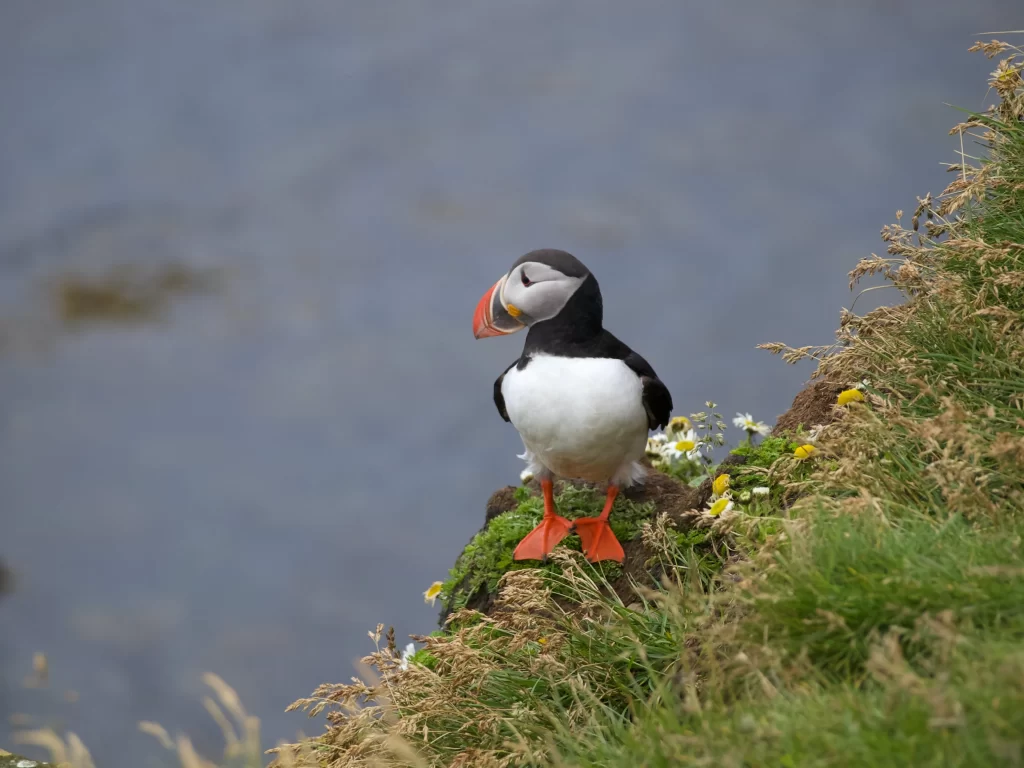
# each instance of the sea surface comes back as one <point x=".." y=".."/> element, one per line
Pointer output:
<point x="248" y="478"/>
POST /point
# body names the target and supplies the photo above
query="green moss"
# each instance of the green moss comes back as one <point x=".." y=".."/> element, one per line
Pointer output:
<point x="424" y="658"/>
<point x="765" y="453"/>
<point x="489" y="555"/>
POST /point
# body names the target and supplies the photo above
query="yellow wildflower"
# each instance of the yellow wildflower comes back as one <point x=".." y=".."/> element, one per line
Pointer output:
<point x="724" y="504"/>
<point x="850" y="396"/>
<point x="805" y="451"/>
<point x="432" y="593"/>
<point x="720" y="485"/>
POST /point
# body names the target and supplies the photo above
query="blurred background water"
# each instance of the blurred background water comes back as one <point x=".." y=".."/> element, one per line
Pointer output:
<point x="249" y="477"/>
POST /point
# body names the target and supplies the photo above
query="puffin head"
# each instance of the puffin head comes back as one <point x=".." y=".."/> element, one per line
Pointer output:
<point x="535" y="289"/>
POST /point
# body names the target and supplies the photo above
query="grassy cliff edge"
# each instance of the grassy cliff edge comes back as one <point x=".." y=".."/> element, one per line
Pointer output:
<point x="868" y="609"/>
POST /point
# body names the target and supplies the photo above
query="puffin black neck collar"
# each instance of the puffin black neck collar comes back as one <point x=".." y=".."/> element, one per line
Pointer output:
<point x="579" y="322"/>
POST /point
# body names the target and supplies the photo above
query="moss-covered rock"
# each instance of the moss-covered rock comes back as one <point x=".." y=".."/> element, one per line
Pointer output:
<point x="514" y="512"/>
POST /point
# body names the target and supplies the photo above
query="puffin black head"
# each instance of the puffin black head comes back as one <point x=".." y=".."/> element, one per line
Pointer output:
<point x="537" y="288"/>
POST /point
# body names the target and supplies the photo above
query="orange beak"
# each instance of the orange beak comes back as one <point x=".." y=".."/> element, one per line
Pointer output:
<point x="491" y="318"/>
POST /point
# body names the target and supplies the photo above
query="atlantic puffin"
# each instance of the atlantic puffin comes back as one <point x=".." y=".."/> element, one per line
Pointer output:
<point x="581" y="400"/>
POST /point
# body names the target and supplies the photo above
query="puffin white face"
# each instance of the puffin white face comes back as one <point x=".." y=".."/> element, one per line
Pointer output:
<point x="530" y="293"/>
<point x="538" y="292"/>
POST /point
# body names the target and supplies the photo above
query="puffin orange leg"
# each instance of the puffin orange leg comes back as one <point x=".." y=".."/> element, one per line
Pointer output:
<point x="545" y="537"/>
<point x="599" y="543"/>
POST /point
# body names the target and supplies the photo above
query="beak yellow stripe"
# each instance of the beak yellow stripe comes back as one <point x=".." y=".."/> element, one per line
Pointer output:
<point x="513" y="310"/>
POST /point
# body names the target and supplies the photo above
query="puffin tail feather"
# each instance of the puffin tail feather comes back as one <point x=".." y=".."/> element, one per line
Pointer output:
<point x="629" y="474"/>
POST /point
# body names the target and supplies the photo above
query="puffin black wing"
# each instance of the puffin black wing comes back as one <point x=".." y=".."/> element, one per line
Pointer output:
<point x="656" y="397"/>
<point x="499" y="399"/>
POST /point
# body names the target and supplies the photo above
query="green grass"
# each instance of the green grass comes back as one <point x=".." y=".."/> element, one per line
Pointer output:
<point x="973" y="716"/>
<point x="853" y="578"/>
<point x="868" y="611"/>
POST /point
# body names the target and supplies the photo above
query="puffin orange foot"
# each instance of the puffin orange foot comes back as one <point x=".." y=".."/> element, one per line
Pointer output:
<point x="542" y="539"/>
<point x="599" y="543"/>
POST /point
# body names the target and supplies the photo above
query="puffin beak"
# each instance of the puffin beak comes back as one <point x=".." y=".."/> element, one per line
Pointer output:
<point x="491" y="318"/>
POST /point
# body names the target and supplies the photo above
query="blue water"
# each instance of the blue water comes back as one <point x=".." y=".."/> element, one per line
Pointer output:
<point x="252" y="483"/>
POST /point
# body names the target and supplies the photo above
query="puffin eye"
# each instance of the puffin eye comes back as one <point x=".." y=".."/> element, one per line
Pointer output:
<point x="527" y="282"/>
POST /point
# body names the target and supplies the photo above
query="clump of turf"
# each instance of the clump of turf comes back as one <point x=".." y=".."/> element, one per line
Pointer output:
<point x="488" y="556"/>
<point x="764" y="465"/>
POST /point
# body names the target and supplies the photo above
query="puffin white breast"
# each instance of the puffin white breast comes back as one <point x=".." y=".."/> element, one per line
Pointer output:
<point x="581" y="417"/>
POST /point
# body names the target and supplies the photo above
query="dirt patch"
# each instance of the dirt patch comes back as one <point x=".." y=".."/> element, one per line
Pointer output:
<point x="813" y="406"/>
<point x="638" y="568"/>
<point x="501" y="501"/>
<point x="481" y="600"/>
<point x="667" y="494"/>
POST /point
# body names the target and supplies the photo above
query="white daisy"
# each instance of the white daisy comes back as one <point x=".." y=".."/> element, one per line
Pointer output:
<point x="687" y="446"/>
<point x="407" y="654"/>
<point x="656" y="446"/>
<point x="746" y="422"/>
<point x="525" y="476"/>
<point x="761" y="490"/>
